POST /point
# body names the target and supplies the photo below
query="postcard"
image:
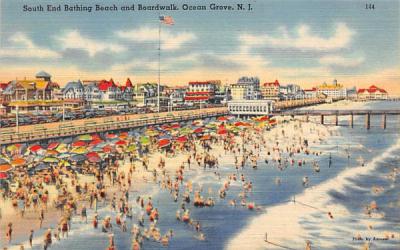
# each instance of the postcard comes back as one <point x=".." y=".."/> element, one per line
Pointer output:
<point x="199" y="124"/>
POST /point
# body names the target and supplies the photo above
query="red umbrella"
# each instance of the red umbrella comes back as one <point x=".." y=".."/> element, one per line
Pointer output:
<point x="182" y="139"/>
<point x="120" y="142"/>
<point x="18" y="162"/>
<point x="198" y="130"/>
<point x="222" y="131"/>
<point x="163" y="143"/>
<point x="110" y="136"/>
<point x="96" y="137"/>
<point x="35" y="148"/>
<point x="79" y="144"/>
<point x="175" y="125"/>
<point x="222" y="118"/>
<point x="95" y="142"/>
<point x="263" y="118"/>
<point x="165" y="127"/>
<point x="53" y="145"/>
<point x="3" y="176"/>
<point x="92" y="154"/>
<point x="272" y="121"/>
<point x="107" y="149"/>
<point x="238" y="124"/>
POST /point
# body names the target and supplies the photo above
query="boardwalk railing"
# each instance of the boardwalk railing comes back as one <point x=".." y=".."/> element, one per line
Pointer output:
<point x="85" y="126"/>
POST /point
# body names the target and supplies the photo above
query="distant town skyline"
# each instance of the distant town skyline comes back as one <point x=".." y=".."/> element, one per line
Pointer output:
<point x="300" y="42"/>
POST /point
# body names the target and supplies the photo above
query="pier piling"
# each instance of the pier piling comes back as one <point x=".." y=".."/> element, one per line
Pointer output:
<point x="336" y="120"/>
<point x="368" y="121"/>
<point x="383" y="123"/>
<point x="322" y="119"/>
<point x="352" y="121"/>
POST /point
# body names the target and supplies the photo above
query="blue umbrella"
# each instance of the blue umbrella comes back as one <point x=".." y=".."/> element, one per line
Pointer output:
<point x="78" y="158"/>
<point x="41" y="166"/>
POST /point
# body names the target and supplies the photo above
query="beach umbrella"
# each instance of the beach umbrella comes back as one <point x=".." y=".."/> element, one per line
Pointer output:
<point x="123" y="135"/>
<point x="164" y="142"/>
<point x="50" y="160"/>
<point x="93" y="157"/>
<point x="131" y="148"/>
<point x="144" y="140"/>
<point x="120" y="143"/>
<point x="3" y="176"/>
<point x="78" y="158"/>
<point x="79" y="144"/>
<point x="18" y="162"/>
<point x="4" y="159"/>
<point x="95" y="142"/>
<point x="110" y="136"/>
<point x="13" y="147"/>
<point x="222" y="118"/>
<point x="62" y="148"/>
<point x="222" y="131"/>
<point x="92" y="154"/>
<point x="52" y="152"/>
<point x="53" y="145"/>
<point x="85" y="138"/>
<point x="35" y="148"/>
<point x="41" y="167"/>
<point x="63" y="155"/>
<point x="198" y="130"/>
<point x="67" y="140"/>
<point x="79" y="150"/>
<point x="182" y="139"/>
<point x="175" y="126"/>
<point x="205" y="137"/>
<point x="185" y="131"/>
<point x="64" y="163"/>
<point x="5" y="167"/>
<point x="107" y="149"/>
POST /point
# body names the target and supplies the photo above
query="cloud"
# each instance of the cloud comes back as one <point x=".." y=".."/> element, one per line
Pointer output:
<point x="73" y="39"/>
<point x="335" y="60"/>
<point x="302" y="39"/>
<point x="24" y="47"/>
<point x="169" y="40"/>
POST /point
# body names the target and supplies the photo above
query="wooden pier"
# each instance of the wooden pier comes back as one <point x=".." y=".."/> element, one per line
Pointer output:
<point x="351" y="113"/>
<point x="46" y="131"/>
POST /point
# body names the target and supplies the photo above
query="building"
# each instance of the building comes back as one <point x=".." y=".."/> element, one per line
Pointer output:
<point x="31" y="94"/>
<point x="74" y="90"/>
<point x="270" y="90"/>
<point x="202" y="92"/>
<point x="127" y="91"/>
<point x="352" y="93"/>
<point x="250" y="107"/>
<point x="310" y="93"/>
<point x="333" y="91"/>
<point x="246" y="88"/>
<point x="176" y="95"/>
<point x="91" y="92"/>
<point x="372" y="93"/>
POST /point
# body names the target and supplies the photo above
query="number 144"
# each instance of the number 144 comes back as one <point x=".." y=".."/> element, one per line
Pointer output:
<point x="369" y="6"/>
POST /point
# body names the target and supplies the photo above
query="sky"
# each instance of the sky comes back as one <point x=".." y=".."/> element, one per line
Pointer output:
<point x="303" y="42"/>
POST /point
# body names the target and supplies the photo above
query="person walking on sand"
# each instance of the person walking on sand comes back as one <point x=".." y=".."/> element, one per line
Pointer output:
<point x="308" y="245"/>
<point x="9" y="232"/>
<point x="31" y="238"/>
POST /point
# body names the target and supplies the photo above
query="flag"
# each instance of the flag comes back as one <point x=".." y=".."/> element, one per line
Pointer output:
<point x="167" y="20"/>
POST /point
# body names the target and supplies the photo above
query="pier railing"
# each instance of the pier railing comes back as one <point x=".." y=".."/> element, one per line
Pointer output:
<point x="84" y="126"/>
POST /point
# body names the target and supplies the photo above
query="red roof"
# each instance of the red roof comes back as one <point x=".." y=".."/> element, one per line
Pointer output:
<point x="276" y="83"/>
<point x="371" y="89"/>
<point x="104" y="85"/>
<point x="128" y="83"/>
<point x="196" y="98"/>
<point x="3" y="86"/>
<point x="313" y="89"/>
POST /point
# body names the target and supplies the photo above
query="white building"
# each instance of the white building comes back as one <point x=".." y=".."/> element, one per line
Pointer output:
<point x="251" y="107"/>
<point x="246" y="88"/>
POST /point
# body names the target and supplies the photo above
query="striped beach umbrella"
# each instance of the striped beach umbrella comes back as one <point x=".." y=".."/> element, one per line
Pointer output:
<point x="5" y="167"/>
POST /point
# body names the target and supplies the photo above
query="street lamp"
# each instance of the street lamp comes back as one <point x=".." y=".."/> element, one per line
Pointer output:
<point x="17" y="118"/>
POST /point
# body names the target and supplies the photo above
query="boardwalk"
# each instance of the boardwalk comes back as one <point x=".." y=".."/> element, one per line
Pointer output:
<point x="94" y="125"/>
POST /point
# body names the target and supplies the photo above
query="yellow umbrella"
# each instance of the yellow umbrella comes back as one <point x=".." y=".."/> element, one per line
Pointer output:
<point x="79" y="150"/>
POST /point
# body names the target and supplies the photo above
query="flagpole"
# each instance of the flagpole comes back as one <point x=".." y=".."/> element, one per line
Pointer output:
<point x="159" y="64"/>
